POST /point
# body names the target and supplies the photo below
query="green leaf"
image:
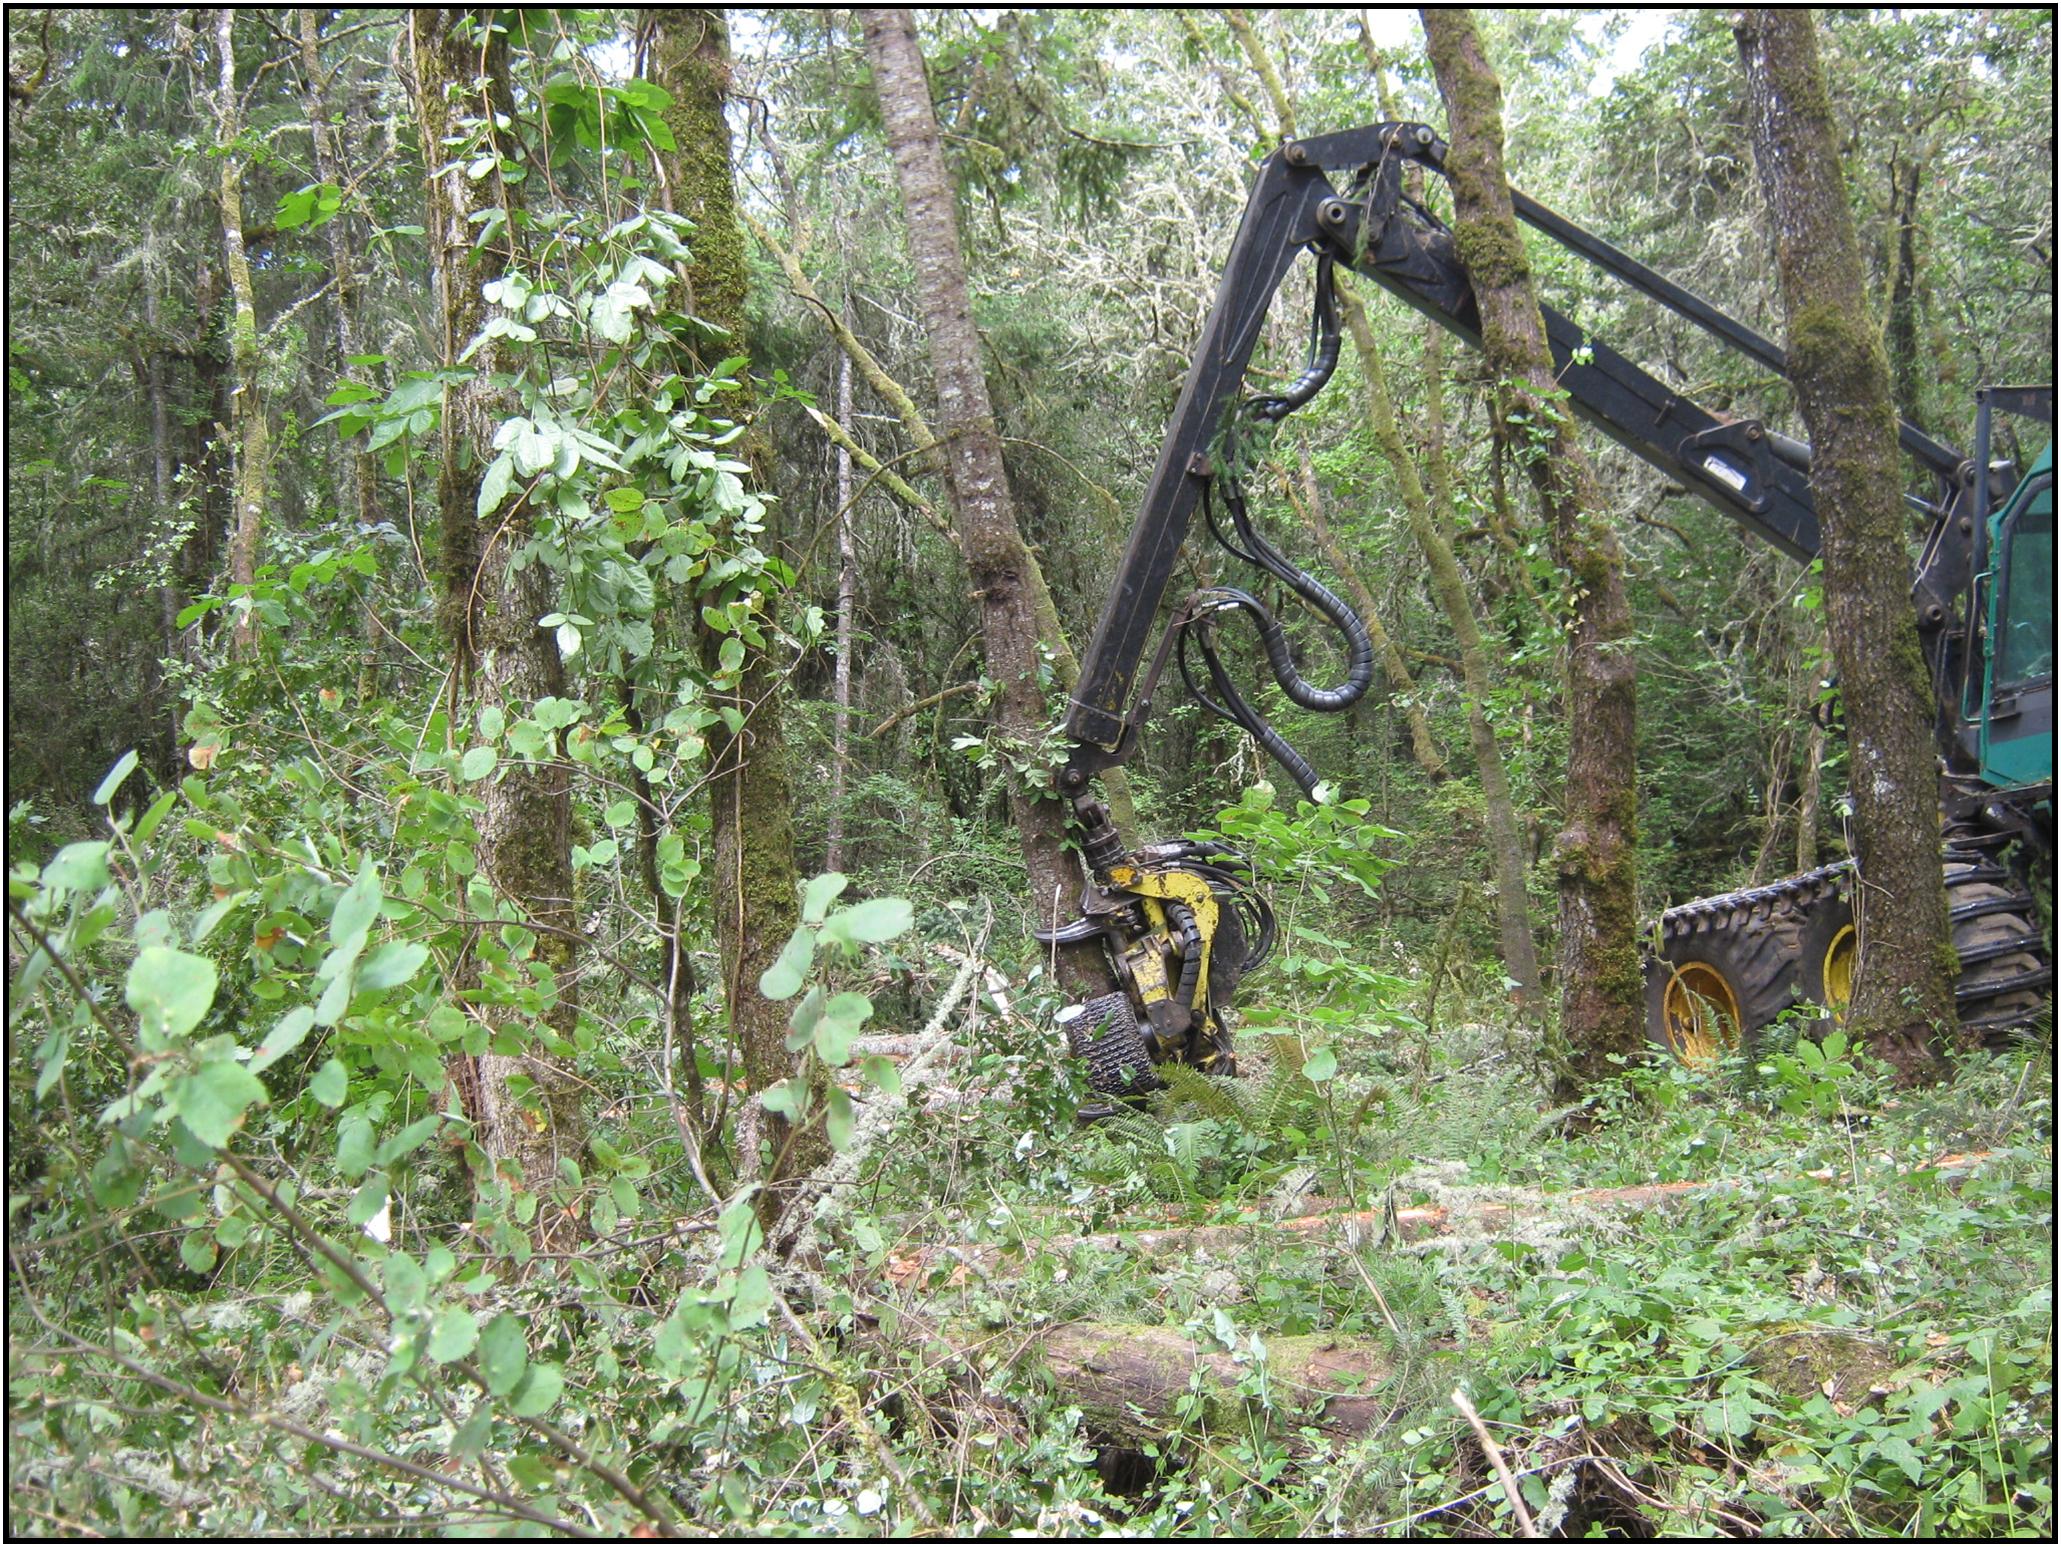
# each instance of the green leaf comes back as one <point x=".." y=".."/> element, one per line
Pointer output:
<point x="159" y="810"/>
<point x="805" y="1017"/>
<point x="283" y="1039"/>
<point x="478" y="763"/>
<point x="170" y="990"/>
<point x="409" y="1139"/>
<point x="77" y="867"/>
<point x="474" y="1433"/>
<point x="354" y="1147"/>
<point x="837" y="1121"/>
<point x="784" y="978"/>
<point x="336" y="997"/>
<point x="494" y="484"/>
<point x="125" y="766"/>
<point x="881" y="1071"/>
<point x="842" y="1018"/>
<point x="789" y="1098"/>
<point x="116" y="1181"/>
<point x="197" y="1251"/>
<point x="393" y="963"/>
<point x="55" y="1047"/>
<point x="751" y="1300"/>
<point x="455" y="1334"/>
<point x="212" y="1100"/>
<point x="503" y="1354"/>
<point x="819" y="893"/>
<point x="871" y="922"/>
<point x="1320" y="1066"/>
<point x="356" y="908"/>
<point x="539" y="1391"/>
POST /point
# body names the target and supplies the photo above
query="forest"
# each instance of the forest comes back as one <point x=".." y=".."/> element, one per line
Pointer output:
<point x="1041" y="772"/>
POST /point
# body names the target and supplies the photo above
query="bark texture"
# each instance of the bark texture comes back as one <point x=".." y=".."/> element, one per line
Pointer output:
<point x="755" y="886"/>
<point x="1903" y="993"/>
<point x="847" y="601"/>
<point x="1004" y="575"/>
<point x="1602" y="1001"/>
<point x="491" y="608"/>
<point x="1449" y="585"/>
<point x="1131" y="1381"/>
<point x="446" y="68"/>
<point x="248" y="429"/>
<point x="328" y="144"/>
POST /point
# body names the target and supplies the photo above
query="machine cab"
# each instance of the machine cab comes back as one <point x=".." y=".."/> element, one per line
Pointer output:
<point x="2016" y="734"/>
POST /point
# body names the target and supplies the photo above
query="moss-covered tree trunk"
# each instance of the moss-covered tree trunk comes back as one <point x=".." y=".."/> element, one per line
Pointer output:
<point x="755" y="894"/>
<point x="248" y="430"/>
<point x="491" y="608"/>
<point x="1602" y="1001"/>
<point x="328" y="145"/>
<point x="1903" y="993"/>
<point x="1005" y="578"/>
<point x="1449" y="585"/>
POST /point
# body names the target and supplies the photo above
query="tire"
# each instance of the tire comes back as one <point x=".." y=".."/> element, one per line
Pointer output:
<point x="2006" y="983"/>
<point x="2007" y="969"/>
<point x="1830" y="954"/>
<point x="1104" y="1034"/>
<point x="1726" y="967"/>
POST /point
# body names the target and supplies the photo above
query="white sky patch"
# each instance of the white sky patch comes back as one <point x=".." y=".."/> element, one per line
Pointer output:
<point x="1396" y="31"/>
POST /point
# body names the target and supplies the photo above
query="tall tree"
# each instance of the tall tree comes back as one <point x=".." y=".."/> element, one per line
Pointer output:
<point x="1602" y="1001"/>
<point x="1449" y="585"/>
<point x="329" y="146"/>
<point x="1001" y="566"/>
<point x="497" y="587"/>
<point x="750" y="805"/>
<point x="248" y="429"/>
<point x="1904" y="991"/>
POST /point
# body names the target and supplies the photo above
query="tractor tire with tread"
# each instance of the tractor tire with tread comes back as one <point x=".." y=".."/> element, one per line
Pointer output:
<point x="1727" y="966"/>
<point x="1752" y="955"/>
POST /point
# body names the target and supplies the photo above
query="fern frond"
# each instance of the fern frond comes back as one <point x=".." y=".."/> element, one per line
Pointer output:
<point x="1188" y="1087"/>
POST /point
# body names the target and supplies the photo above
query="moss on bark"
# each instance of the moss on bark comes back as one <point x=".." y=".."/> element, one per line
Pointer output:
<point x="1602" y="1005"/>
<point x="1903" y="991"/>
<point x="750" y="799"/>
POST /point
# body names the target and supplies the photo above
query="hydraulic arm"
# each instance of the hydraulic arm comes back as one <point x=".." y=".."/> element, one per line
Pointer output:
<point x="1158" y="909"/>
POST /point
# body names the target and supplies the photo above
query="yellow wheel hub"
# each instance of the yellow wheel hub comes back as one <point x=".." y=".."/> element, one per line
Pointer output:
<point x="1838" y="976"/>
<point x="1701" y="1013"/>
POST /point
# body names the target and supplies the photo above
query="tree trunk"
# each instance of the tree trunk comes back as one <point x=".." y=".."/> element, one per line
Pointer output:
<point x="491" y="609"/>
<point x="1602" y="989"/>
<point x="756" y="886"/>
<point x="328" y="145"/>
<point x="1901" y="336"/>
<point x="1506" y="844"/>
<point x="1001" y="566"/>
<point x="1904" y="989"/>
<point x="847" y="597"/>
<point x="248" y="429"/>
<point x="169" y="600"/>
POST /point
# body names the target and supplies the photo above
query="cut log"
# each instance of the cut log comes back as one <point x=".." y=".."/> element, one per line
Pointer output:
<point x="1131" y="1381"/>
<point x="1475" y="1217"/>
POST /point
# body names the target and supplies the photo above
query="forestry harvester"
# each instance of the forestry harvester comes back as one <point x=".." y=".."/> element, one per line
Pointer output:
<point x="1181" y="923"/>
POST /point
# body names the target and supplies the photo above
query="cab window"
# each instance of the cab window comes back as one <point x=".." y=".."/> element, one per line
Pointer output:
<point x="2025" y="622"/>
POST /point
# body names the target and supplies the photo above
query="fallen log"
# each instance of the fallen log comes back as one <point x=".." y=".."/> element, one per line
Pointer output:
<point x="1473" y="1217"/>
<point x="1132" y="1382"/>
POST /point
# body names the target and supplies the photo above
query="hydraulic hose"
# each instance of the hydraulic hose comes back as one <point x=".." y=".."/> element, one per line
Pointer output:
<point x="1322" y="359"/>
